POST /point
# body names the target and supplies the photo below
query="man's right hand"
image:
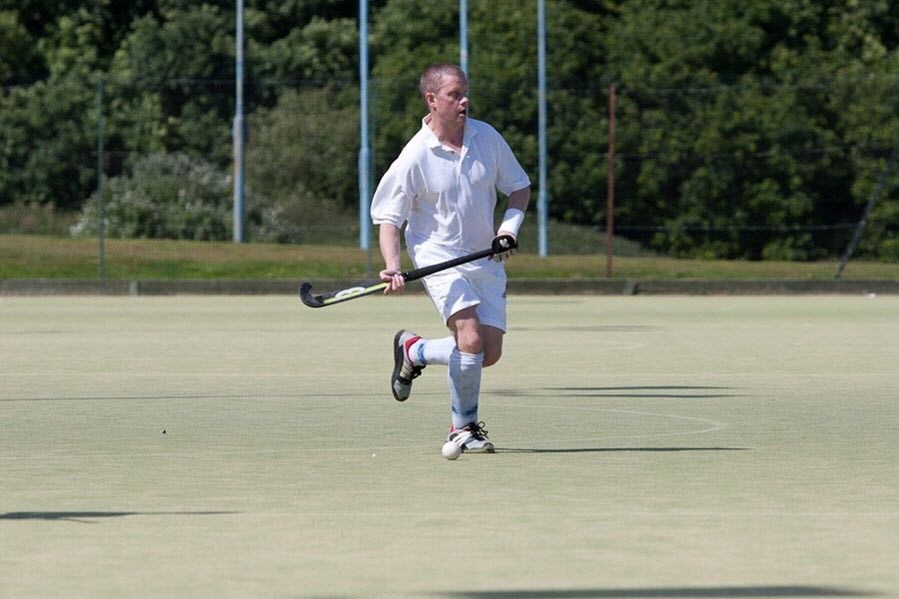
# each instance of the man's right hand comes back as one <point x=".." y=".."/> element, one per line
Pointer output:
<point x="395" y="280"/>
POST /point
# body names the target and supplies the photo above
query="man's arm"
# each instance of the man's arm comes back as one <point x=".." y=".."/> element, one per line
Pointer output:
<point x="512" y="219"/>
<point x="389" y="241"/>
<point x="519" y="201"/>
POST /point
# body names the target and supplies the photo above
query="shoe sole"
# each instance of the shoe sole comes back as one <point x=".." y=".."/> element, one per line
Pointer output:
<point x="398" y="359"/>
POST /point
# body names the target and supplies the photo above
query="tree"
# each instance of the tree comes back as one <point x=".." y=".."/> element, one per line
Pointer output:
<point x="726" y="114"/>
<point x="169" y="84"/>
<point x="18" y="56"/>
<point x="302" y="157"/>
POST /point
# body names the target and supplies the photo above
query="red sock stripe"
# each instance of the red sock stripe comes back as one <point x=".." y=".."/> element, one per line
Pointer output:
<point x="409" y="343"/>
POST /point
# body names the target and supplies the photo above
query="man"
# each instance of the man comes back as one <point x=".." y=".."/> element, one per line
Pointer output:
<point x="443" y="187"/>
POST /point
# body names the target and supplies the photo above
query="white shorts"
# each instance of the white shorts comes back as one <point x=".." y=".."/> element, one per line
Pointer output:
<point x="481" y="283"/>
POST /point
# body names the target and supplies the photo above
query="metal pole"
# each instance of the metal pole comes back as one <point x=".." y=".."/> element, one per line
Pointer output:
<point x="364" y="149"/>
<point x="542" y="199"/>
<point x="463" y="35"/>
<point x="238" y="132"/>
<point x="101" y="217"/>
<point x="610" y="195"/>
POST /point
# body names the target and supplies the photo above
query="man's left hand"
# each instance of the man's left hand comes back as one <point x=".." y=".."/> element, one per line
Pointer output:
<point x="504" y="246"/>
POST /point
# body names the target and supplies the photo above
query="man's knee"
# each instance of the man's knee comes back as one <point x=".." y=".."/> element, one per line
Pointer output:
<point x="467" y="330"/>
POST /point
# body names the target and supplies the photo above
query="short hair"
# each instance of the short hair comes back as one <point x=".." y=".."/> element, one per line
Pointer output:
<point x="434" y="74"/>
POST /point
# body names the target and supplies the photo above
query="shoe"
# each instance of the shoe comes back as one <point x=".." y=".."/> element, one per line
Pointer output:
<point x="404" y="371"/>
<point x="472" y="437"/>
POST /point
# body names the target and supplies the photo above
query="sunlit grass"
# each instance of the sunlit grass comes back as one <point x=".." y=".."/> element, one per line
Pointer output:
<point x="30" y="257"/>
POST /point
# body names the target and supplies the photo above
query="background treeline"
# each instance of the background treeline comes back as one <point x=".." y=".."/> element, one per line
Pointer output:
<point x="745" y="129"/>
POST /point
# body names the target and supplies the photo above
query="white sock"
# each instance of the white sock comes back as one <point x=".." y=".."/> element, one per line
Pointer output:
<point x="465" y="386"/>
<point x="432" y="351"/>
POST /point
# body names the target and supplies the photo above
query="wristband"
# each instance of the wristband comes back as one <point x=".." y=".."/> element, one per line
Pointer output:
<point x="512" y="220"/>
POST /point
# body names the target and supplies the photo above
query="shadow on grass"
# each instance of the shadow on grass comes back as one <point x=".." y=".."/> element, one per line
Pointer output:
<point x="652" y="593"/>
<point x="192" y="397"/>
<point x="622" y="328"/>
<point x="646" y="392"/>
<point x="618" y="449"/>
<point x="657" y="392"/>
<point x="87" y="517"/>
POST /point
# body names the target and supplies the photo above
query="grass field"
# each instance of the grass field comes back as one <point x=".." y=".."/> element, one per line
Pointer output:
<point x="31" y="257"/>
<point x="647" y="447"/>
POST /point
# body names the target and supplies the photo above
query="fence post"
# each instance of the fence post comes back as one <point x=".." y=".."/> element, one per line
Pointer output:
<point x="610" y="195"/>
<point x="869" y="206"/>
<point x="101" y="217"/>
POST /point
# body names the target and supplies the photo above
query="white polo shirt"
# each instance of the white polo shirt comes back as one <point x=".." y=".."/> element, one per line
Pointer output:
<point x="448" y="198"/>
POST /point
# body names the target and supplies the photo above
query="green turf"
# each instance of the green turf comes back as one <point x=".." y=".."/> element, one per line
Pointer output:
<point x="647" y="447"/>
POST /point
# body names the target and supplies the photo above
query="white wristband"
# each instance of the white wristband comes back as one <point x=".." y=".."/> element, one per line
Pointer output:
<point x="512" y="220"/>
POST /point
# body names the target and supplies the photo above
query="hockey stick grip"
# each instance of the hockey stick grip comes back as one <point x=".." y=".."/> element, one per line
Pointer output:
<point x="500" y="244"/>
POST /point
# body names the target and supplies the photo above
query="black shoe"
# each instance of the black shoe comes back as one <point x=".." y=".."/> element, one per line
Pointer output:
<point x="404" y="371"/>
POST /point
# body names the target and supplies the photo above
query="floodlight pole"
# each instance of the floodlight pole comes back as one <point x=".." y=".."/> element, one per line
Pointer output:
<point x="237" y="132"/>
<point x="463" y="35"/>
<point x="542" y="200"/>
<point x="364" y="149"/>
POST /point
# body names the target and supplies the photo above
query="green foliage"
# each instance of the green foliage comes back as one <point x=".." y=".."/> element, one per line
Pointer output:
<point x="45" y="155"/>
<point x="321" y="50"/>
<point x="176" y="196"/>
<point x="302" y="156"/>
<point x="762" y="119"/>
<point x="17" y="51"/>
<point x="744" y="130"/>
<point x="168" y="196"/>
<point x="163" y="84"/>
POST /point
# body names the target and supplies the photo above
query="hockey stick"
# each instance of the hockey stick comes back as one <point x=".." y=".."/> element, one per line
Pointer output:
<point x="503" y="243"/>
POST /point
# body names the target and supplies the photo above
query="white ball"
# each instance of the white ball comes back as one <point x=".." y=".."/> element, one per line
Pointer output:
<point x="451" y="450"/>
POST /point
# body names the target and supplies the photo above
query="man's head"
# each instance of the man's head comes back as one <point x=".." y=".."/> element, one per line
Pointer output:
<point x="434" y="74"/>
<point x="444" y="88"/>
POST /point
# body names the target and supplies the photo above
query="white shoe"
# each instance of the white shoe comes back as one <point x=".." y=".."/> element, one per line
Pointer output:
<point x="404" y="371"/>
<point x="472" y="437"/>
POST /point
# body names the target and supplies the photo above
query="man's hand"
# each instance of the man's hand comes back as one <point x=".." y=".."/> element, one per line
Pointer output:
<point x="395" y="280"/>
<point x="504" y="246"/>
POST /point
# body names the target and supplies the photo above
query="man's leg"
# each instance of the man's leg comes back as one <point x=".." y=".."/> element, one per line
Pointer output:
<point x="464" y="376"/>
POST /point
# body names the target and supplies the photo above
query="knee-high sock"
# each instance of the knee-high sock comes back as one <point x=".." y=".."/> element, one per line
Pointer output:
<point x="465" y="386"/>
<point x="432" y="351"/>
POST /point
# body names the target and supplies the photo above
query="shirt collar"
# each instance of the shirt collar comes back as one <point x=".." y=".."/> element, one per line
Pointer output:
<point x="431" y="140"/>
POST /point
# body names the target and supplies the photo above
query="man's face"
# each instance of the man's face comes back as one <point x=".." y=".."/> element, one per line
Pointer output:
<point x="450" y="103"/>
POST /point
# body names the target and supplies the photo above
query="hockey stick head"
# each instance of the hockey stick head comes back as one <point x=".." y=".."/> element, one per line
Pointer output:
<point x="313" y="301"/>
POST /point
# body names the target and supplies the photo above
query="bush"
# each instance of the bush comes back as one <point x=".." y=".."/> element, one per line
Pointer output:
<point x="170" y="196"/>
<point x="303" y="155"/>
<point x="175" y="196"/>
